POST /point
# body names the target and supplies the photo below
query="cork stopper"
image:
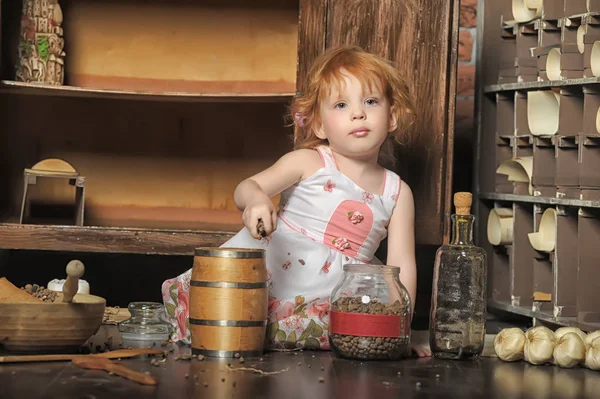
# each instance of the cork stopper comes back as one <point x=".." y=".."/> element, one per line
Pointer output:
<point x="462" y="203"/>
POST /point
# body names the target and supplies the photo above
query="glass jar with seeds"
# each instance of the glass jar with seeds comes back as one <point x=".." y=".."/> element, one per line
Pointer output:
<point x="370" y="314"/>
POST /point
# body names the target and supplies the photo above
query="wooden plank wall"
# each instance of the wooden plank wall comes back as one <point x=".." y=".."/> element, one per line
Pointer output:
<point x="420" y="37"/>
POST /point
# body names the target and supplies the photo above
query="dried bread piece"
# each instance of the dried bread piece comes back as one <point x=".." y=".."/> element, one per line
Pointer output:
<point x="10" y="293"/>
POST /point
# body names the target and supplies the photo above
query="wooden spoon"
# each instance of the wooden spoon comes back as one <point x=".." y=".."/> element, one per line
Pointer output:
<point x="75" y="270"/>
<point x="99" y="363"/>
<point x="116" y="354"/>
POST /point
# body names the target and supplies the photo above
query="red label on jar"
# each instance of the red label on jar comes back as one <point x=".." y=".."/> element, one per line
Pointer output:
<point x="367" y="325"/>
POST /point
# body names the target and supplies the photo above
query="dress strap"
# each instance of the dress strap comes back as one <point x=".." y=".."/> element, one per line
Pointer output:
<point x="392" y="185"/>
<point x="327" y="157"/>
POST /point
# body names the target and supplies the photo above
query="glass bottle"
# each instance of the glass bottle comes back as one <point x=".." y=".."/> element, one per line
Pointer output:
<point x="458" y="303"/>
<point x="370" y="314"/>
<point x="146" y="325"/>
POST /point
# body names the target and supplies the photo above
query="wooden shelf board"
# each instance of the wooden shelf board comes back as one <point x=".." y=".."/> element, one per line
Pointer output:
<point x="36" y="89"/>
<point x="548" y="318"/>
<point x="540" y="200"/>
<point x="540" y="85"/>
<point x="108" y="239"/>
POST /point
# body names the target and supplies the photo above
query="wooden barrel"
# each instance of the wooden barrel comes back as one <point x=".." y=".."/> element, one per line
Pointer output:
<point x="228" y="302"/>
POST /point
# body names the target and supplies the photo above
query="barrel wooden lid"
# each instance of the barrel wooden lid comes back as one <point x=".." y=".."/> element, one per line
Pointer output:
<point x="462" y="203"/>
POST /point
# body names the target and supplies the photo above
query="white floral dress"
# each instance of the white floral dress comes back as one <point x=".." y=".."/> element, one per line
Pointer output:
<point x="325" y="221"/>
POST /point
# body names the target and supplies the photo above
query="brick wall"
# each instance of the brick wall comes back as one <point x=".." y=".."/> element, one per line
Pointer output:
<point x="465" y="100"/>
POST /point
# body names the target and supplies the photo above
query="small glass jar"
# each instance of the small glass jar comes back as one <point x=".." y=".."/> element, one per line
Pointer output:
<point x="146" y="325"/>
<point x="370" y="314"/>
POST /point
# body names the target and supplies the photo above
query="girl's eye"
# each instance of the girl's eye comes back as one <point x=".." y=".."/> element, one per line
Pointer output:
<point x="371" y="101"/>
<point x="340" y="106"/>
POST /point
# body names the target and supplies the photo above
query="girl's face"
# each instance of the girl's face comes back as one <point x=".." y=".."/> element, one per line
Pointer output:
<point x="354" y="120"/>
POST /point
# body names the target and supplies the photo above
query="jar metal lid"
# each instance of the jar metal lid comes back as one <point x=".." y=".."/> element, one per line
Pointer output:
<point x="220" y="252"/>
<point x="374" y="269"/>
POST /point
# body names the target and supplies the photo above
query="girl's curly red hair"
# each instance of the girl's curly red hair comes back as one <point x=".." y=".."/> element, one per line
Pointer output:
<point x="371" y="70"/>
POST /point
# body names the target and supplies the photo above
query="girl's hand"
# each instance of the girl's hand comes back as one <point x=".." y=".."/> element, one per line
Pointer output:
<point x="420" y="350"/>
<point x="263" y="210"/>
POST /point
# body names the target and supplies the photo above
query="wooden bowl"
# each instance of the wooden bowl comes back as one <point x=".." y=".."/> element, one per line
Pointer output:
<point x="50" y="327"/>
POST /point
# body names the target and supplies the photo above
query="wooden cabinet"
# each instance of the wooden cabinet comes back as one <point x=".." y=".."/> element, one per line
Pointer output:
<point x="167" y="105"/>
<point x="537" y="157"/>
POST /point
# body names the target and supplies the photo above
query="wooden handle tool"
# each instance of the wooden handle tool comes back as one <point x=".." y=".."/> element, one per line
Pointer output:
<point x="98" y="363"/>
<point x="116" y="354"/>
<point x="75" y="270"/>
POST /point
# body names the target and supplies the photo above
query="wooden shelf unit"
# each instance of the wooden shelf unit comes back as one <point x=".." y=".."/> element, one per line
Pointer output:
<point x="565" y="177"/>
<point x="167" y="105"/>
<point x="108" y="239"/>
<point x="34" y="89"/>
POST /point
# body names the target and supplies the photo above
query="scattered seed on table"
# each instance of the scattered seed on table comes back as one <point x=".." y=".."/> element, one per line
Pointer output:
<point x="418" y="385"/>
<point x="222" y="379"/>
<point x="242" y="360"/>
<point x="200" y="357"/>
<point x="187" y="375"/>
<point x="299" y="363"/>
<point x="387" y="384"/>
<point x="111" y="373"/>
<point x="261" y="359"/>
<point x="206" y="385"/>
<point x="437" y="376"/>
<point x="147" y="372"/>
<point x="309" y="366"/>
<point x="322" y="368"/>
<point x="399" y="373"/>
<point x="313" y="356"/>
<point x="321" y="379"/>
<point x="237" y="355"/>
<point x="234" y="384"/>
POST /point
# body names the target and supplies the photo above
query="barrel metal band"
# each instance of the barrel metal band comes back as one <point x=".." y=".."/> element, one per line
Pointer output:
<point x="225" y="284"/>
<point x="229" y="323"/>
<point x="230" y="253"/>
<point x="217" y="353"/>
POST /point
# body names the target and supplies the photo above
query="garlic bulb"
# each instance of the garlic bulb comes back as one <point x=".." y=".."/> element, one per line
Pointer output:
<point x="564" y="330"/>
<point x="590" y="337"/>
<point x="592" y="357"/>
<point x="569" y="350"/>
<point x="539" y="345"/>
<point x="509" y="344"/>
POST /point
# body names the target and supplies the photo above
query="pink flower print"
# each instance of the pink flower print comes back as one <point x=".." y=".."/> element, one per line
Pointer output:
<point x="367" y="197"/>
<point x="273" y="304"/>
<point x="324" y="342"/>
<point x="286" y="265"/>
<point x="329" y="186"/>
<point x="303" y="231"/>
<point x="293" y="322"/>
<point x="182" y="312"/>
<point x="166" y="288"/>
<point x="395" y="197"/>
<point x="285" y="311"/>
<point x="319" y="310"/>
<point x="326" y="267"/>
<point x="341" y="243"/>
<point x="355" y="217"/>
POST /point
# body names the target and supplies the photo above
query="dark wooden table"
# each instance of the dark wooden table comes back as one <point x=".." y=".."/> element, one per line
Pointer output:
<point x="306" y="374"/>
